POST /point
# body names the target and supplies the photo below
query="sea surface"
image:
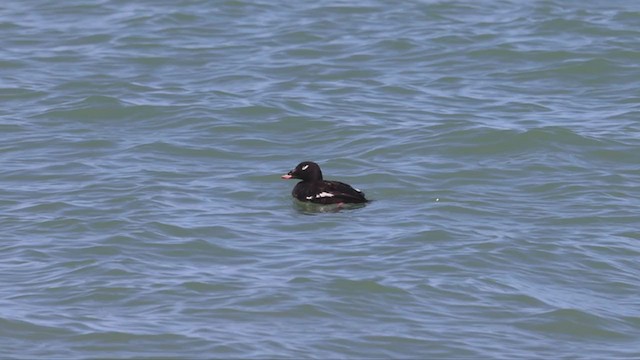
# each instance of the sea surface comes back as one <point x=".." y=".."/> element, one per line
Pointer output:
<point x="142" y="214"/>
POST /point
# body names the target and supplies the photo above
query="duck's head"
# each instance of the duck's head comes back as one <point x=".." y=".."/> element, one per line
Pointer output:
<point x="305" y="171"/>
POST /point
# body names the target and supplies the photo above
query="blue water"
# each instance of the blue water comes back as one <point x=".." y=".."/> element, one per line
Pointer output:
<point x="143" y="214"/>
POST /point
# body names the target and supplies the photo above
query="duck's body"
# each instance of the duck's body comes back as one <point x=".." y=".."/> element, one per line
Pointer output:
<point x="314" y="189"/>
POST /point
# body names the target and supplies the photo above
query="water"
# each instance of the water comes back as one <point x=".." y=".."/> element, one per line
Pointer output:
<point x="142" y="212"/>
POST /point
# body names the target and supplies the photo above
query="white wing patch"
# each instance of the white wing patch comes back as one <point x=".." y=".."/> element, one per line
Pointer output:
<point x="324" y="194"/>
<point x="305" y="167"/>
<point x="308" y="197"/>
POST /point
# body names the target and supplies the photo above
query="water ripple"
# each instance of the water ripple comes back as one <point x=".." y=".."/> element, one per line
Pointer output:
<point x="144" y="216"/>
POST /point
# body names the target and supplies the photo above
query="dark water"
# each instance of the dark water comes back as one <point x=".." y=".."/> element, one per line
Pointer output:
<point x="142" y="212"/>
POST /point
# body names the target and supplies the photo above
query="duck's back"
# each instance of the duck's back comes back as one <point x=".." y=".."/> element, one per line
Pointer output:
<point x="327" y="192"/>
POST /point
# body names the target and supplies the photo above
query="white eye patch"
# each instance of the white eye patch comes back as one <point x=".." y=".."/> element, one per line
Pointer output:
<point x="305" y="167"/>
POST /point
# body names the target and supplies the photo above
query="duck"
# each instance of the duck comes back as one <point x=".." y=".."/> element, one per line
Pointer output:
<point x="313" y="188"/>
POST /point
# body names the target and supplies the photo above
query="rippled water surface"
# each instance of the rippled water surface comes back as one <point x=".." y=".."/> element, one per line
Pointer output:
<point x="143" y="214"/>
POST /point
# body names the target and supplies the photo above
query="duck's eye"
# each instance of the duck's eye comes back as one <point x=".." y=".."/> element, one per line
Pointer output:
<point x="305" y="167"/>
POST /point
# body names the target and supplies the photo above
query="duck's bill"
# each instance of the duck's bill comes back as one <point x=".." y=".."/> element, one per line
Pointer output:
<point x="286" y="176"/>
